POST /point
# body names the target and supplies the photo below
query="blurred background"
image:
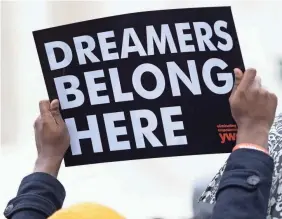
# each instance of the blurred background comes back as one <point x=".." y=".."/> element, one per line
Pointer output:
<point x="157" y="188"/>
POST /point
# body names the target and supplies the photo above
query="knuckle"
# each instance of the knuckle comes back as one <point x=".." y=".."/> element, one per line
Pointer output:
<point x="241" y="94"/>
<point x="273" y="97"/>
<point x="232" y="99"/>
<point x="264" y="92"/>
<point x="36" y="122"/>
<point x="56" y="113"/>
<point x="258" y="80"/>
<point x="42" y="102"/>
<point x="235" y="102"/>
<point x="44" y="121"/>
<point x="259" y="92"/>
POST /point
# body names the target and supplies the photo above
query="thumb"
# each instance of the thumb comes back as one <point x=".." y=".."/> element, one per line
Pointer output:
<point x="55" y="111"/>
<point x="238" y="78"/>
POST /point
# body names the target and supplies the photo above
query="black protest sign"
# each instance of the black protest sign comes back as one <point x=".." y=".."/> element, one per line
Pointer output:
<point x="144" y="85"/>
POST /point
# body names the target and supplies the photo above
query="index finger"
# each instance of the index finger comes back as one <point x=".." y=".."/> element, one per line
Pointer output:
<point x="44" y="107"/>
<point x="248" y="79"/>
<point x="238" y="77"/>
<point x="55" y="111"/>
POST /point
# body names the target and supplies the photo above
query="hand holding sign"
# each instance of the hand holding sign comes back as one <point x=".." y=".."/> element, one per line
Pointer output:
<point x="253" y="108"/>
<point x="51" y="136"/>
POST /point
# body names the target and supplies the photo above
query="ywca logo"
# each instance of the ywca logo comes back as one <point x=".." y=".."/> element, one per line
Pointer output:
<point x="227" y="132"/>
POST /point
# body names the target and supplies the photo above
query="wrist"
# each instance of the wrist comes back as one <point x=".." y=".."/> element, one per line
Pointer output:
<point x="257" y="135"/>
<point x="251" y="146"/>
<point x="48" y="165"/>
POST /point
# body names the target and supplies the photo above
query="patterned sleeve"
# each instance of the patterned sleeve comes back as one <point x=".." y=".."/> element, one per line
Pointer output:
<point x="275" y="150"/>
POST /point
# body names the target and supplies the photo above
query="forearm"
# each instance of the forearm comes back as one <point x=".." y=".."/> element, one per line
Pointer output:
<point x="245" y="186"/>
<point x="49" y="166"/>
<point x="39" y="196"/>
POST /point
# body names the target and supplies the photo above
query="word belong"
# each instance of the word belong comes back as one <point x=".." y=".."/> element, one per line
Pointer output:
<point x="176" y="75"/>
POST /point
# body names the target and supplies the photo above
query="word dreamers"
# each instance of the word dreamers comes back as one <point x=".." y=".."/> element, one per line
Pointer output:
<point x="200" y="36"/>
<point x="176" y="75"/>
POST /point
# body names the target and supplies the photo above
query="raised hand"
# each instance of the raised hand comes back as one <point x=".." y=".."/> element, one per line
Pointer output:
<point x="253" y="108"/>
<point x="52" y="138"/>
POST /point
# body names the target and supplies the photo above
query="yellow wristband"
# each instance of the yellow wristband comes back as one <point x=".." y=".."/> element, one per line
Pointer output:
<point x="250" y="146"/>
